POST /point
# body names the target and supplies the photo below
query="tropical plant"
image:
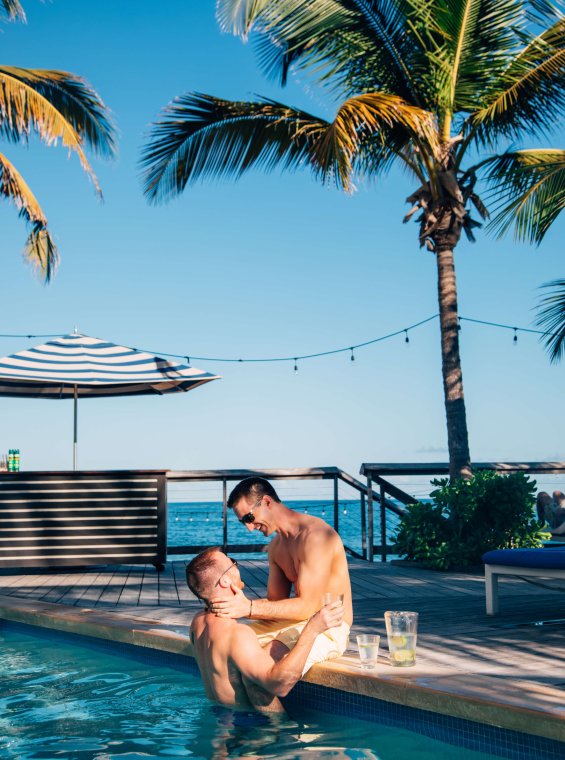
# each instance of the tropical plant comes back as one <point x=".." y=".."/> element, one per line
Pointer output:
<point x="427" y="84"/>
<point x="467" y="518"/>
<point x="532" y="194"/>
<point x="58" y="107"/>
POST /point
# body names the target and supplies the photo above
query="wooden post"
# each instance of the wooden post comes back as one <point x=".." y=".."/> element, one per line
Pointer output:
<point x="383" y="524"/>
<point x="363" y="527"/>
<point x="336" y="506"/>
<point x="370" y="536"/>
<point x="225" y="513"/>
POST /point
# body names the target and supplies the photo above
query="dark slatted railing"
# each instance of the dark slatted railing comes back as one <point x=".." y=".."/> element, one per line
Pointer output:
<point x="82" y="518"/>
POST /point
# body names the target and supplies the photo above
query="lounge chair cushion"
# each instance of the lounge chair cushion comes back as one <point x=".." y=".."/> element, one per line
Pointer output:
<point x="541" y="558"/>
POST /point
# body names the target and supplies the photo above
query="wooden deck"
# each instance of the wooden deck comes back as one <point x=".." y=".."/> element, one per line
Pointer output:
<point x="519" y="654"/>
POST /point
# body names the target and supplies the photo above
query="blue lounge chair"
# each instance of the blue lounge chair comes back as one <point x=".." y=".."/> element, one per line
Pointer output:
<point x="540" y="563"/>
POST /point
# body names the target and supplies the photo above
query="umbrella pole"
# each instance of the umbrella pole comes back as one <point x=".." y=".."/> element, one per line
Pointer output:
<point x="75" y="429"/>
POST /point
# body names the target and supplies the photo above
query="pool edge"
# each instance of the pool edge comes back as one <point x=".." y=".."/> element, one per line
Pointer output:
<point x="434" y="695"/>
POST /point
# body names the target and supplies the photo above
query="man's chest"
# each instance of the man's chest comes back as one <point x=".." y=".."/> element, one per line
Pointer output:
<point x="287" y="558"/>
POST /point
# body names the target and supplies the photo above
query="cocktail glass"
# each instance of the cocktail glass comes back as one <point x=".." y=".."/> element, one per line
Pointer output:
<point x="368" y="644"/>
<point x="402" y="632"/>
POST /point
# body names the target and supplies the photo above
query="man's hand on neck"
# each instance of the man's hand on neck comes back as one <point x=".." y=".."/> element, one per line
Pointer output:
<point x="232" y="605"/>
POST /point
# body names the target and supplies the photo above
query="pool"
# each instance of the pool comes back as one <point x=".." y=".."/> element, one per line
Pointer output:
<point x="81" y="699"/>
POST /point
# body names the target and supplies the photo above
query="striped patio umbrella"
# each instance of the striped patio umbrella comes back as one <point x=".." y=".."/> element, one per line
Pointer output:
<point x="80" y="366"/>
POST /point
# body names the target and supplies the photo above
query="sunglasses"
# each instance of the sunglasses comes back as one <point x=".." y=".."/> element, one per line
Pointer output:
<point x="250" y="517"/>
<point x="233" y="564"/>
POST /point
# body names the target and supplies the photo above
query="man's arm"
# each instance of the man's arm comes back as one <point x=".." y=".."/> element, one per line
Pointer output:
<point x="278" y="585"/>
<point x="312" y="582"/>
<point x="278" y="678"/>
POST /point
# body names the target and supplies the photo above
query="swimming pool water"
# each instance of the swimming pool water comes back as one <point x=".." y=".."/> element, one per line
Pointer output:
<point x="66" y="701"/>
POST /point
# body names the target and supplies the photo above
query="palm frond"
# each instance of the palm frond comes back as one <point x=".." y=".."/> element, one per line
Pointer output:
<point x="40" y="251"/>
<point x="470" y="44"/>
<point x="551" y="317"/>
<point x="238" y="16"/>
<point x="31" y="98"/>
<point x="200" y="135"/>
<point x="13" y="10"/>
<point x="361" y="44"/>
<point x="367" y="121"/>
<point x="26" y="108"/>
<point x="529" y="191"/>
<point x="530" y="93"/>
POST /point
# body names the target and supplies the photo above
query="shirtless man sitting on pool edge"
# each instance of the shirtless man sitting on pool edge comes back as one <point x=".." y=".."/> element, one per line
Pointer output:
<point x="235" y="669"/>
<point x="306" y="554"/>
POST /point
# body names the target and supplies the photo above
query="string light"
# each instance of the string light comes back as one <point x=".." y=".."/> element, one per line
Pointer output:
<point x="345" y="510"/>
<point x="296" y="359"/>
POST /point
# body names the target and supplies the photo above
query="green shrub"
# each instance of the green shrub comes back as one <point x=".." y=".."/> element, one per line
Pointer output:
<point x="468" y="518"/>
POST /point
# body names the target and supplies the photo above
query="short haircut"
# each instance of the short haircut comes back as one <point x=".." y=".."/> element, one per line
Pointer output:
<point x="200" y="571"/>
<point x="254" y="488"/>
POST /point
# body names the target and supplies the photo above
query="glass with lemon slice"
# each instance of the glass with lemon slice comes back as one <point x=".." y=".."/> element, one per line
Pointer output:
<point x="402" y="631"/>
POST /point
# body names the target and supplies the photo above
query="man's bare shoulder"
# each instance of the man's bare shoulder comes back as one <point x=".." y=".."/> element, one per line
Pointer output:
<point x="244" y="639"/>
<point x="315" y="529"/>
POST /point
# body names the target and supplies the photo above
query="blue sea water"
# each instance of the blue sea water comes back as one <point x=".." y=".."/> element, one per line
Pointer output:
<point x="67" y="701"/>
<point x="199" y="523"/>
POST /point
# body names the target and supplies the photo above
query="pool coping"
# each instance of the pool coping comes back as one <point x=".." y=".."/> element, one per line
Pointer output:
<point x="451" y="692"/>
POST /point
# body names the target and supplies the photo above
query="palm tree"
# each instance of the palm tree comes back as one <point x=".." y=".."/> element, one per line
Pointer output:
<point x="531" y="192"/>
<point x="58" y="107"/>
<point x="427" y="84"/>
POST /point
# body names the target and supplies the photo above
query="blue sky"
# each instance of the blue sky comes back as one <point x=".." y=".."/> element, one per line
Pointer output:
<point x="273" y="265"/>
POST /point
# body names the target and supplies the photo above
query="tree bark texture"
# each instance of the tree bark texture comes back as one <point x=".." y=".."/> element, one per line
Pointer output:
<point x="457" y="436"/>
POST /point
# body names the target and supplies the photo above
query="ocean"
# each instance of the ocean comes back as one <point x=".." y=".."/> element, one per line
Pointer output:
<point x="200" y="523"/>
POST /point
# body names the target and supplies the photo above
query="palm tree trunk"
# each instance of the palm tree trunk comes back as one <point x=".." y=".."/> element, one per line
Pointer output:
<point x="457" y="436"/>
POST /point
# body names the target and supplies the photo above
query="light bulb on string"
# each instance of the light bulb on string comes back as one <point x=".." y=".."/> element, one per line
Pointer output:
<point x="406" y="339"/>
<point x="296" y="366"/>
<point x="187" y="359"/>
<point x="305" y="510"/>
<point x="459" y="323"/>
<point x="515" y="335"/>
<point x="323" y="512"/>
<point x="352" y="355"/>
<point x="345" y="510"/>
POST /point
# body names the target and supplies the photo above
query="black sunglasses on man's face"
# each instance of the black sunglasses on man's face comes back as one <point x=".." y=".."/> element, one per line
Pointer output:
<point x="250" y="517"/>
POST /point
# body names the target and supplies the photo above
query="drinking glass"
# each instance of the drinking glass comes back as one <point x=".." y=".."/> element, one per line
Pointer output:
<point x="401" y="632"/>
<point x="328" y="598"/>
<point x="368" y="644"/>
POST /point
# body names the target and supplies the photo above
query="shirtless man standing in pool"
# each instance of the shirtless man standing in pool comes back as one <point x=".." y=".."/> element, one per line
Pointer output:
<point x="307" y="555"/>
<point x="235" y="669"/>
